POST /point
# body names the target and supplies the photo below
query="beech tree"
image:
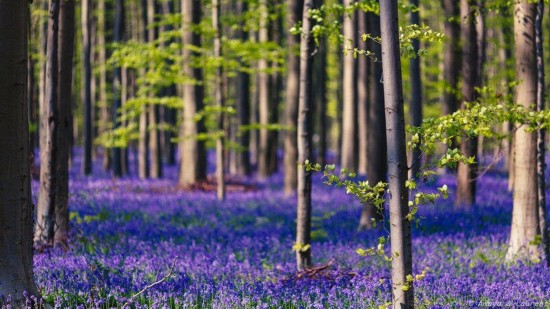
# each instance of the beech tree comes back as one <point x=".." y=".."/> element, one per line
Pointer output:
<point x="219" y="86"/>
<point x="416" y="92"/>
<point x="16" y="209"/>
<point x="86" y="12"/>
<point x="400" y="233"/>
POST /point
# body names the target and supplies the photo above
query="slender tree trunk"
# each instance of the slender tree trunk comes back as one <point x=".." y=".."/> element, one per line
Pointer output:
<point x="525" y="214"/>
<point x="243" y="104"/>
<point x="219" y="101"/>
<point x="400" y="233"/>
<point x="349" y="147"/>
<point x="155" y="163"/>
<point x="305" y="106"/>
<point x="416" y="93"/>
<point x="320" y="84"/>
<point x="66" y="49"/>
<point x="295" y="10"/>
<point x="16" y="210"/>
<point x="541" y="147"/>
<point x="45" y="217"/>
<point x="193" y="152"/>
<point x="466" y="183"/>
<point x="102" y="58"/>
<point x="117" y="87"/>
<point x="143" y="141"/>
<point x="263" y="95"/>
<point x="42" y="85"/>
<point x="362" y="94"/>
<point x="86" y="87"/>
<point x="377" y="167"/>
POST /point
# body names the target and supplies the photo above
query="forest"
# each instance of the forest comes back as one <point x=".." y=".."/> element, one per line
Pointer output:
<point x="274" y="154"/>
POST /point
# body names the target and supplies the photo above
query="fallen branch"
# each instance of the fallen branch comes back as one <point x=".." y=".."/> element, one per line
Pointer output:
<point x="152" y="285"/>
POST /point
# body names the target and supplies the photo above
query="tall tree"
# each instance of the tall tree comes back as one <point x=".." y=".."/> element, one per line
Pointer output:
<point x="102" y="81"/>
<point x="416" y="91"/>
<point x="16" y="209"/>
<point x="349" y="120"/>
<point x="400" y="233"/>
<point x="525" y="214"/>
<point x="541" y="134"/>
<point x="220" y="164"/>
<point x="66" y="50"/>
<point x="263" y="95"/>
<point x="362" y="95"/>
<point x="45" y="215"/>
<point x="118" y="36"/>
<point x="466" y="178"/>
<point x="143" y="140"/>
<point x="192" y="151"/>
<point x="305" y="108"/>
<point x="155" y="163"/>
<point x="86" y="12"/>
<point x="295" y="9"/>
<point x="377" y="167"/>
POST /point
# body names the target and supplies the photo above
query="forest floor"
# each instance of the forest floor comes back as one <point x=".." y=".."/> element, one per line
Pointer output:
<point x="129" y="234"/>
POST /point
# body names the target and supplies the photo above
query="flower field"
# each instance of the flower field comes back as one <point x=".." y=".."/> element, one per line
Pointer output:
<point x="149" y="244"/>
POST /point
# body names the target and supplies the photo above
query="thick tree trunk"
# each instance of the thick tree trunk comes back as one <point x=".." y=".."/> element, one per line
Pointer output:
<point x="416" y="93"/>
<point x="525" y="214"/>
<point x="541" y="146"/>
<point x="305" y="106"/>
<point x="102" y="58"/>
<point x="295" y="10"/>
<point x="16" y="208"/>
<point x="400" y="233"/>
<point x="220" y="166"/>
<point x="377" y="167"/>
<point x="117" y="88"/>
<point x="349" y="130"/>
<point x="243" y="105"/>
<point x="42" y="83"/>
<point x="466" y="183"/>
<point x="66" y="49"/>
<point x="86" y="87"/>
<point x="263" y="95"/>
<point x="192" y="152"/>
<point x="45" y="216"/>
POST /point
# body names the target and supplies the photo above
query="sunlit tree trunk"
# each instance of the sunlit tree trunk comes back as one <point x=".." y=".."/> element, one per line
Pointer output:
<point x="220" y="164"/>
<point x="362" y="95"/>
<point x="16" y="209"/>
<point x="349" y="130"/>
<point x="263" y="95"/>
<point x="155" y="163"/>
<point x="86" y="11"/>
<point x="466" y="178"/>
<point x="400" y="233"/>
<point x="192" y="152"/>
<point x="45" y="215"/>
<point x="525" y="214"/>
<point x="117" y="87"/>
<point x="416" y="92"/>
<point x="65" y="52"/>
<point x="295" y="10"/>
<point x="377" y="167"/>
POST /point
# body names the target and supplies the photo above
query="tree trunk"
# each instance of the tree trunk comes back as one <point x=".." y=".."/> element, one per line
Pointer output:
<point x="243" y="104"/>
<point x="303" y="233"/>
<point x="42" y="83"/>
<point x="525" y="214"/>
<point x="362" y="94"/>
<point x="219" y="101"/>
<point x="320" y="83"/>
<point x="416" y="93"/>
<point x="349" y="147"/>
<point x="541" y="147"/>
<point x="295" y="8"/>
<point x="66" y="49"/>
<point x="16" y="210"/>
<point x="193" y="152"/>
<point x="400" y="233"/>
<point x="102" y="58"/>
<point x="466" y="178"/>
<point x="143" y="141"/>
<point x="86" y="87"/>
<point x="155" y="162"/>
<point x="117" y="87"/>
<point x="263" y="95"/>
<point x="45" y="217"/>
<point x="377" y="168"/>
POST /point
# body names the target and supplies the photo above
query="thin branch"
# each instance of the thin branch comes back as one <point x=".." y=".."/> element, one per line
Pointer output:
<point x="152" y="285"/>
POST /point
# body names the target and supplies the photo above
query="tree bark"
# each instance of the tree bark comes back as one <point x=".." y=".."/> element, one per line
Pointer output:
<point x="320" y="83"/>
<point x="66" y="50"/>
<point x="295" y="11"/>
<point x="16" y="209"/>
<point x="86" y="87"/>
<point x="117" y="87"/>
<point x="525" y="214"/>
<point x="362" y="94"/>
<point x="349" y="130"/>
<point x="400" y="233"/>
<point x="416" y="93"/>
<point x="220" y="164"/>
<point x="377" y="168"/>
<point x="155" y="162"/>
<point x="193" y="152"/>
<point x="263" y="95"/>
<point x="466" y="178"/>
<point x="303" y="233"/>
<point x="45" y="217"/>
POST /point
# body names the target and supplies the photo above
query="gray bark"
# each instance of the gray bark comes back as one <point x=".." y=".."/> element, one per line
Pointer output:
<point x="263" y="95"/>
<point x="16" y="209"/>
<point x="305" y="106"/>
<point x="400" y="233"/>
<point x="86" y="87"/>
<point x="45" y="217"/>
<point x="220" y="164"/>
<point x="362" y="95"/>
<point x="155" y="162"/>
<point x="117" y="87"/>
<point x="416" y="93"/>
<point x="525" y="214"/>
